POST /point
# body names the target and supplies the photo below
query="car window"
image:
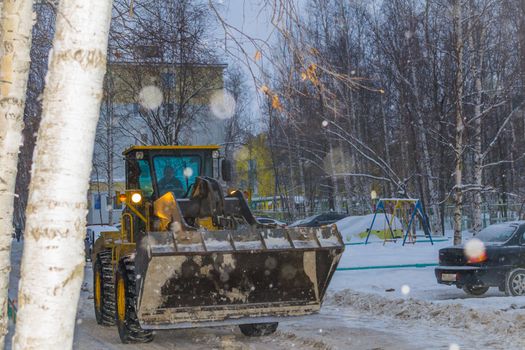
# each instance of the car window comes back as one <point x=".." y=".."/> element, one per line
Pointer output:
<point x="336" y="216"/>
<point x="323" y="217"/>
<point x="496" y="233"/>
<point x="305" y="220"/>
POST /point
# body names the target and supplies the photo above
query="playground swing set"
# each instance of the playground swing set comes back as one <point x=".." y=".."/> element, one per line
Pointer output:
<point x="405" y="210"/>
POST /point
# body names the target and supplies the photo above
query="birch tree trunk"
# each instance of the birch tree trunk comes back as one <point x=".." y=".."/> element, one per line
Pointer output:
<point x="335" y="183"/>
<point x="460" y="125"/>
<point x="17" y="23"/>
<point x="477" y="69"/>
<point x="110" y="145"/>
<point x="429" y="179"/>
<point x="53" y="263"/>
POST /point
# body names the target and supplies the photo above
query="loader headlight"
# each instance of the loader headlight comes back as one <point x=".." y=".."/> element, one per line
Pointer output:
<point x="122" y="198"/>
<point x="136" y="198"/>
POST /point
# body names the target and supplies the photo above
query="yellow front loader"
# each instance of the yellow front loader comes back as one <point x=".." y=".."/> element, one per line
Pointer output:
<point x="190" y="256"/>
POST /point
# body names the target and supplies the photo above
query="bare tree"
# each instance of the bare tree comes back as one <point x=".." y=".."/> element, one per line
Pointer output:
<point x="43" y="30"/>
<point x="238" y="126"/>
<point x="167" y="45"/>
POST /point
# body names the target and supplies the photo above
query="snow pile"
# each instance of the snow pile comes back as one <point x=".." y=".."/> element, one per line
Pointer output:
<point x="354" y="228"/>
<point x="506" y="325"/>
<point x="301" y="342"/>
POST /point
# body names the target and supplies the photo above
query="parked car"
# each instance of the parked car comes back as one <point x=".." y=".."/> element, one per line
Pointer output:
<point x="270" y="221"/>
<point x="502" y="265"/>
<point x="92" y="233"/>
<point x="319" y="220"/>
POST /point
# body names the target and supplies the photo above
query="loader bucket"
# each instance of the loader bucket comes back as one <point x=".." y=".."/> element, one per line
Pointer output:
<point x="250" y="275"/>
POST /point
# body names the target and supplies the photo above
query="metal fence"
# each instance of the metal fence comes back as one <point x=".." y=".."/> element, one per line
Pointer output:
<point x="490" y="213"/>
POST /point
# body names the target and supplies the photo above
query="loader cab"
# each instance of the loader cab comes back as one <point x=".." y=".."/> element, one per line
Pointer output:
<point x="156" y="170"/>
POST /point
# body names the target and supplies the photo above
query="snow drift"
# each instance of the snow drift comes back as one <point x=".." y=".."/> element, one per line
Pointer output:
<point x="354" y="228"/>
<point x="505" y="326"/>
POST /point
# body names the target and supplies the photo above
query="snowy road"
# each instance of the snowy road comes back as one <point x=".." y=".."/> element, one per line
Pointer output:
<point x="329" y="330"/>
<point x="358" y="313"/>
<point x="349" y="320"/>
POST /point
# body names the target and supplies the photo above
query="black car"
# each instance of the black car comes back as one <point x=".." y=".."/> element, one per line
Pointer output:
<point x="319" y="220"/>
<point x="271" y="221"/>
<point x="502" y="265"/>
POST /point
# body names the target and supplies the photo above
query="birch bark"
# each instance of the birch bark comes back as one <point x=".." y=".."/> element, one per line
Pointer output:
<point x="53" y="263"/>
<point x="17" y="23"/>
<point x="477" y="69"/>
<point x="460" y="124"/>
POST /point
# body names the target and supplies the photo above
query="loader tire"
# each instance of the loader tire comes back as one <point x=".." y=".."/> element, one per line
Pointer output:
<point x="104" y="289"/>
<point x="128" y="325"/>
<point x="258" y="329"/>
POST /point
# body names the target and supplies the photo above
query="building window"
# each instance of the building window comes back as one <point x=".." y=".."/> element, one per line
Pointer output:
<point x="168" y="80"/>
<point x="97" y="202"/>
<point x="147" y="51"/>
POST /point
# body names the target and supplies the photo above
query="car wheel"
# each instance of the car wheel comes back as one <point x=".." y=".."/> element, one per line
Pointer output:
<point x="475" y="290"/>
<point x="515" y="282"/>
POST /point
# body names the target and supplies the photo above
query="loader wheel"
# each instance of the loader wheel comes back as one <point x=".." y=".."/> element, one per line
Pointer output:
<point x="128" y="325"/>
<point x="103" y="289"/>
<point x="258" y="329"/>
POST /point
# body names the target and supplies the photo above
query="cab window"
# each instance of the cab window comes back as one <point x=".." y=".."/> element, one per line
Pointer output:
<point x="145" y="182"/>
<point x="139" y="177"/>
<point x="176" y="174"/>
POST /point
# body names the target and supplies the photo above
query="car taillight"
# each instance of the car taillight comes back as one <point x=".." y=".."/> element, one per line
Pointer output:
<point x="477" y="259"/>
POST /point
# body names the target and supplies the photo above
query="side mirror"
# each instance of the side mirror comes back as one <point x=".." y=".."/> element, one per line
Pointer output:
<point x="226" y="170"/>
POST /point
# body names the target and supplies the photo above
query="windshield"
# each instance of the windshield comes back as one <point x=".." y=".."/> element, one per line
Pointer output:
<point x="496" y="233"/>
<point x="176" y="174"/>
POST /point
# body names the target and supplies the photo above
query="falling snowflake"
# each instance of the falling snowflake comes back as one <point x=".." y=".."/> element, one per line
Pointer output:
<point x="475" y="250"/>
<point x="405" y="289"/>
<point x="324" y="123"/>
<point x="222" y="104"/>
<point x="453" y="346"/>
<point x="188" y="172"/>
<point x="150" y="97"/>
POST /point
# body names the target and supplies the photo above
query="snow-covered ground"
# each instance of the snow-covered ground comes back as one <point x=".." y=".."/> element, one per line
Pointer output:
<point x="387" y="308"/>
<point x="354" y="228"/>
